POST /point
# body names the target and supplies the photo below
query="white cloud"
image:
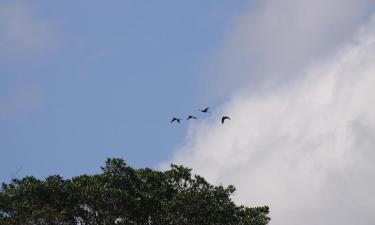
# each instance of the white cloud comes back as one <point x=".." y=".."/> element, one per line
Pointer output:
<point x="22" y="33"/>
<point x="305" y="146"/>
<point x="278" y="38"/>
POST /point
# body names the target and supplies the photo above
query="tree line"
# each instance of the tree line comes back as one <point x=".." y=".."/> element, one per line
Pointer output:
<point x="121" y="194"/>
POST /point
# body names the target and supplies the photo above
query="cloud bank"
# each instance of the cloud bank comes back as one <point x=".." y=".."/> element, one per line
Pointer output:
<point x="304" y="145"/>
<point x="277" y="39"/>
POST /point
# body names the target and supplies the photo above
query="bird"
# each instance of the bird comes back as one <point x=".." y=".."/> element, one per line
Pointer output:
<point x="178" y="120"/>
<point x="191" y="117"/>
<point x="204" y="110"/>
<point x="224" y="118"/>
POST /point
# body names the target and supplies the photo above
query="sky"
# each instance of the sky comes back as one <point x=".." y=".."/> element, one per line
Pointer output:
<point x="302" y="135"/>
<point x="80" y="82"/>
<point x="83" y="81"/>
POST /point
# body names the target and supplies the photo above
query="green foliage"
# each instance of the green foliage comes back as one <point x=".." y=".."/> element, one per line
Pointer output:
<point x="123" y="195"/>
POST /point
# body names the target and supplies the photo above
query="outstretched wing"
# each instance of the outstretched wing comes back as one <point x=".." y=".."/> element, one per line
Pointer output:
<point x="205" y="110"/>
<point x="224" y="118"/>
<point x="191" y="117"/>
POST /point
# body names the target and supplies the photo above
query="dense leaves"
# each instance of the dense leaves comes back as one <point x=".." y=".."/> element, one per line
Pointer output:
<point x="123" y="195"/>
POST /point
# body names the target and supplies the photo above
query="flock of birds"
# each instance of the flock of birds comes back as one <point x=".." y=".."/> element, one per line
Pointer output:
<point x="178" y="120"/>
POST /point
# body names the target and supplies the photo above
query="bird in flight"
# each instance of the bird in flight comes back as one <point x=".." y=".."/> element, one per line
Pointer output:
<point x="191" y="117"/>
<point x="204" y="110"/>
<point x="224" y="118"/>
<point x="178" y="120"/>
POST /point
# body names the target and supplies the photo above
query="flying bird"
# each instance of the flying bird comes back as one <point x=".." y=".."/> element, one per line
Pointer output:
<point x="178" y="120"/>
<point x="224" y="118"/>
<point x="191" y="117"/>
<point x="204" y="110"/>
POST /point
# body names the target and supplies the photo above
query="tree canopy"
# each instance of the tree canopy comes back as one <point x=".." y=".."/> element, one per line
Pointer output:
<point x="121" y="194"/>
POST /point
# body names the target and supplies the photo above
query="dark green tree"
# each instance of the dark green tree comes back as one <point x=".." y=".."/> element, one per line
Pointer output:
<point x="123" y="195"/>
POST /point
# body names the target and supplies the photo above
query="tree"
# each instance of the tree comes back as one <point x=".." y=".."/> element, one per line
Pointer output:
<point x="123" y="195"/>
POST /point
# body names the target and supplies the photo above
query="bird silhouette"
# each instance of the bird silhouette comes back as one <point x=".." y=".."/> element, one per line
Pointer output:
<point x="191" y="117"/>
<point x="204" y="110"/>
<point x="224" y="118"/>
<point x="178" y="120"/>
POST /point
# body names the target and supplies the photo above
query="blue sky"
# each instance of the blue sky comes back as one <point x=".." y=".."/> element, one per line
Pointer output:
<point x="81" y="81"/>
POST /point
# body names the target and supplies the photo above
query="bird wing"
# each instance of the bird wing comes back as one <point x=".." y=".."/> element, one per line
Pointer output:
<point x="224" y="118"/>
<point x="174" y="119"/>
<point x="204" y="110"/>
